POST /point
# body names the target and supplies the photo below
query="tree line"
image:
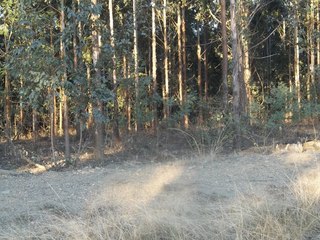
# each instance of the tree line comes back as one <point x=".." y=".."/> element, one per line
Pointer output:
<point x="74" y="66"/>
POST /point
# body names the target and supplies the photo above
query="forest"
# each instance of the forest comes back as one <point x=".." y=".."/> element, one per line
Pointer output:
<point x="159" y="119"/>
<point x="104" y="69"/>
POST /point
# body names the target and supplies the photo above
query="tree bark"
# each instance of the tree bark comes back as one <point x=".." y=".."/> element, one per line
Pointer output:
<point x="154" y="66"/>
<point x="7" y="108"/>
<point x="116" y="131"/>
<point x="224" y="55"/>
<point x="97" y="84"/>
<point x="166" y="107"/>
<point x="126" y="75"/>
<point x="296" y="60"/>
<point x="64" y="79"/>
<point x="247" y="97"/>
<point x="318" y="45"/>
<point x="179" y="36"/>
<point x="205" y="63"/>
<point x="312" y="50"/>
<point x="138" y="124"/>
<point x="199" y="58"/>
<point x="184" y="64"/>
<point x="235" y="75"/>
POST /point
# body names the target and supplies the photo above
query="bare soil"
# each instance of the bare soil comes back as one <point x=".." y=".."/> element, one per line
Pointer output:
<point x="170" y="180"/>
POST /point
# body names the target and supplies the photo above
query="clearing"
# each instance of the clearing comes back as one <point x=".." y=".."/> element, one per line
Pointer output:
<point x="245" y="196"/>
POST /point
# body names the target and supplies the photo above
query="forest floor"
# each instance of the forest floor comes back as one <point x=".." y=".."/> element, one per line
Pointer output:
<point x="158" y="194"/>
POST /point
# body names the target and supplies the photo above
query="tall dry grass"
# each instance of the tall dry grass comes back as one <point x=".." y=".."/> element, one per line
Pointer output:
<point x="134" y="211"/>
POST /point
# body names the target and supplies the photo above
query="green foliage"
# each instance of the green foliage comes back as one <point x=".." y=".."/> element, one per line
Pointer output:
<point x="281" y="106"/>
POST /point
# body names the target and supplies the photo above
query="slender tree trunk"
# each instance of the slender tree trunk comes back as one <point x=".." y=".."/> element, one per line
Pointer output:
<point x="184" y="64"/>
<point x="235" y="75"/>
<point x="246" y="97"/>
<point x="75" y="48"/>
<point x="166" y="109"/>
<point x="199" y="57"/>
<point x="51" y="93"/>
<point x="97" y="84"/>
<point x="154" y="66"/>
<point x="312" y="50"/>
<point x="180" y="81"/>
<point x="225" y="55"/>
<point x="296" y="63"/>
<point x="205" y="63"/>
<point x="126" y="75"/>
<point x="64" y="79"/>
<point x="60" y="130"/>
<point x="51" y="112"/>
<point x="34" y="124"/>
<point x="90" y="121"/>
<point x="7" y="109"/>
<point x="138" y="124"/>
<point x="21" y="113"/>
<point x="116" y="132"/>
<point x="7" y="92"/>
<point x="55" y="114"/>
<point x="317" y="8"/>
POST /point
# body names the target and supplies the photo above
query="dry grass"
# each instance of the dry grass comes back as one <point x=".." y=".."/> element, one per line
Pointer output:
<point x="296" y="215"/>
<point x="154" y="210"/>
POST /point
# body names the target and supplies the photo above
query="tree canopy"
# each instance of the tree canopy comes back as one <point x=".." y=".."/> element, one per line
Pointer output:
<point x="74" y="66"/>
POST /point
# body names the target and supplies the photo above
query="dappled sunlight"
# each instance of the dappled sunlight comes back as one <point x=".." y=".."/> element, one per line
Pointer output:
<point x="114" y="149"/>
<point x="138" y="188"/>
<point x="89" y="155"/>
<point x="86" y="156"/>
<point x="298" y="159"/>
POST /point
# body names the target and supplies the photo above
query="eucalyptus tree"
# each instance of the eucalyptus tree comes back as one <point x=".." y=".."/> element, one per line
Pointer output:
<point x="138" y="124"/>
<point x="116" y="132"/>
<point x="224" y="54"/>
<point x="166" y="94"/>
<point x="8" y="19"/>
<point x="236" y="73"/>
<point x="64" y="80"/>
<point x="296" y="43"/>
<point x="154" y="65"/>
<point x="98" y="106"/>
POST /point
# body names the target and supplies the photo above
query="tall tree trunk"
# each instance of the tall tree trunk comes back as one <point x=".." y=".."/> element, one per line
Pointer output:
<point x="55" y="115"/>
<point x="308" y="51"/>
<point x="205" y="63"/>
<point x="154" y="66"/>
<point x="64" y="79"/>
<point x="236" y="110"/>
<point x="312" y="50"/>
<point x="296" y="60"/>
<point x="184" y="64"/>
<point x="7" y="108"/>
<point x="61" y="93"/>
<point x="51" y="99"/>
<point x="116" y="132"/>
<point x="166" y="109"/>
<point x="21" y="113"/>
<point x="75" y="51"/>
<point x="126" y="75"/>
<point x="97" y="84"/>
<point x="224" y="55"/>
<point x="317" y="8"/>
<point x="199" y="58"/>
<point x="138" y="124"/>
<point x="90" y="121"/>
<point x="180" y="81"/>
